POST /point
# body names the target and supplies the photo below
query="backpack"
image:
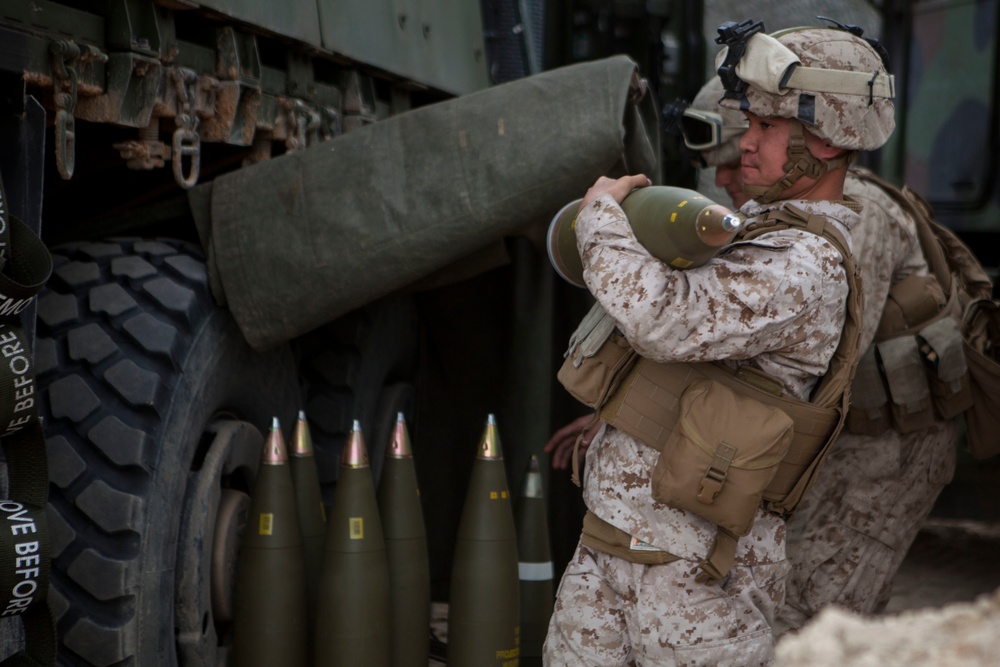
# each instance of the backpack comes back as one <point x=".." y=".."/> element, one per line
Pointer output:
<point x="962" y="369"/>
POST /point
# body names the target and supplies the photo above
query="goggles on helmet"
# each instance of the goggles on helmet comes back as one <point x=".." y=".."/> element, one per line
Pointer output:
<point x="706" y="129"/>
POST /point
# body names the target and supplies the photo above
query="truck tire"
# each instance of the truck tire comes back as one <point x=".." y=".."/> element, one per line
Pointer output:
<point x="154" y="408"/>
<point x="360" y="366"/>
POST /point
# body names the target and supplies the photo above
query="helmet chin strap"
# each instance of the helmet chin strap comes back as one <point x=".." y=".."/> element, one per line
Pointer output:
<point x="800" y="163"/>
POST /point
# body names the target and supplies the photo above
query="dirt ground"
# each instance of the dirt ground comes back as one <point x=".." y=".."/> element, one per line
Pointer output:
<point x="950" y="561"/>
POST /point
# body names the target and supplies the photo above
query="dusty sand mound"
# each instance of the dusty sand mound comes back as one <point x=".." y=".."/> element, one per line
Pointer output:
<point x="957" y="635"/>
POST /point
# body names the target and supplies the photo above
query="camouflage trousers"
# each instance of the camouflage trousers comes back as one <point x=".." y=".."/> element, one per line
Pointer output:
<point x="851" y="531"/>
<point x="610" y="613"/>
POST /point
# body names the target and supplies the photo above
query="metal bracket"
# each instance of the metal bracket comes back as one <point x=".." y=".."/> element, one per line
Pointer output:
<point x="330" y="123"/>
<point x="735" y="36"/>
<point x="186" y="141"/>
<point x="304" y="124"/>
<point x="313" y="124"/>
<point x="295" y="134"/>
<point x="148" y="152"/>
<point x="64" y="85"/>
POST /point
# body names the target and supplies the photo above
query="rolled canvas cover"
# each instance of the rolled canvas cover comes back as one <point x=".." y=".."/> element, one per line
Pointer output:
<point x="297" y="241"/>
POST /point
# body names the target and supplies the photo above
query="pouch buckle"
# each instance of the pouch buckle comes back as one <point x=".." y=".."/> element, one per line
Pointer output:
<point x="715" y="476"/>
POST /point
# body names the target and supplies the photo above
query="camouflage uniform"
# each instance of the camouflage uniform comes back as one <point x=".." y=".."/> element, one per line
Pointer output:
<point x="777" y="302"/>
<point x="850" y="533"/>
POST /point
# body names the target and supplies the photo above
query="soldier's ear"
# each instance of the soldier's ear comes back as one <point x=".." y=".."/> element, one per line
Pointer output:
<point x="830" y="152"/>
<point x="823" y="150"/>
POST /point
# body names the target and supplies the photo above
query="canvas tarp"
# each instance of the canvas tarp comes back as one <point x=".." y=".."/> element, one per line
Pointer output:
<point x="296" y="241"/>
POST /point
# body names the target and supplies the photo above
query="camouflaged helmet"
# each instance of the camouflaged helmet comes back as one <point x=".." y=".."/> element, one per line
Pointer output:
<point x="831" y="80"/>
<point x="731" y="125"/>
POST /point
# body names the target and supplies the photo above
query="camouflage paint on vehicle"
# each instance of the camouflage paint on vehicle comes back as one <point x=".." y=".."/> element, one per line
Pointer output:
<point x="945" y="144"/>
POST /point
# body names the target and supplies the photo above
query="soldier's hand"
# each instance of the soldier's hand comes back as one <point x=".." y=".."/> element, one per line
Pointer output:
<point x="560" y="445"/>
<point x="617" y="188"/>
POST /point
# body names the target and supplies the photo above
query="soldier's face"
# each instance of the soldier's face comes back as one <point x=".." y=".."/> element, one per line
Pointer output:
<point x="764" y="150"/>
<point x="764" y="153"/>
<point x="729" y="178"/>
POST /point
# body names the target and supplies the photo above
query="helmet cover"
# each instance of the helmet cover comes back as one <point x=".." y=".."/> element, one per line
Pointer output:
<point x="849" y="105"/>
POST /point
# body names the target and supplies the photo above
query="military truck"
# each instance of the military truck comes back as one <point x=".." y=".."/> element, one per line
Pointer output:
<point x="945" y="56"/>
<point x="120" y="117"/>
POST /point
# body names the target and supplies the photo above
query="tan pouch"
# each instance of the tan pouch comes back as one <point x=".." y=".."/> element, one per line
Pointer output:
<point x="982" y="420"/>
<point x="906" y="376"/>
<point x="597" y="359"/>
<point x="911" y="301"/>
<point x="869" y="413"/>
<point x="721" y="455"/>
<point x="941" y="345"/>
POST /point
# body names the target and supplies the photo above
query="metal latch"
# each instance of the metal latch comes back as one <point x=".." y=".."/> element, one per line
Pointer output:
<point x="186" y="141"/>
<point x="64" y="84"/>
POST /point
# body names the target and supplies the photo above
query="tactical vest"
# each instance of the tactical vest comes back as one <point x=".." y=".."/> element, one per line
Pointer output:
<point x="920" y="369"/>
<point x="728" y="440"/>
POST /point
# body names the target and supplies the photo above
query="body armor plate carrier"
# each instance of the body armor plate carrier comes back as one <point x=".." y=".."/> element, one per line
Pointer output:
<point x="728" y="439"/>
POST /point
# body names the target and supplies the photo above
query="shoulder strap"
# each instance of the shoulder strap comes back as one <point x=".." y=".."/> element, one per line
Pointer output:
<point x="833" y="389"/>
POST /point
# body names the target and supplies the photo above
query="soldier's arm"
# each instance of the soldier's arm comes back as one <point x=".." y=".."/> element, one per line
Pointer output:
<point x="753" y="298"/>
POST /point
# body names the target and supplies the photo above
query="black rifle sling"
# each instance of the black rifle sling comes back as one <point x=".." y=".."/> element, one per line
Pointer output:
<point x="25" y="266"/>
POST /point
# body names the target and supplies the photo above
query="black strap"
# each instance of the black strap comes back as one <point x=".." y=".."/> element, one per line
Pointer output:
<point x="4" y="227"/>
<point x="25" y="265"/>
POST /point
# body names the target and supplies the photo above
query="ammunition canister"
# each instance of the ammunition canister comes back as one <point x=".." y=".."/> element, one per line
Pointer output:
<point x="311" y="513"/>
<point x="269" y="627"/>
<point x="406" y="548"/>
<point x="484" y="613"/>
<point x="534" y="566"/>
<point x="678" y="226"/>
<point x="352" y="615"/>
